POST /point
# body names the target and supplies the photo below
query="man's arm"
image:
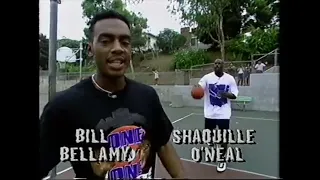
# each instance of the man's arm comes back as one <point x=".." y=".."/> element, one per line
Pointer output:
<point x="202" y="83"/>
<point x="233" y="92"/>
<point x="52" y="137"/>
<point x="166" y="152"/>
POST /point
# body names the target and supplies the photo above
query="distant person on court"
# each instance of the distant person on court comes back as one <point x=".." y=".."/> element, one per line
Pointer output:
<point x="259" y="67"/>
<point x="247" y="72"/>
<point x="109" y="101"/>
<point x="219" y="87"/>
<point x="156" y="76"/>
<point x="240" y="75"/>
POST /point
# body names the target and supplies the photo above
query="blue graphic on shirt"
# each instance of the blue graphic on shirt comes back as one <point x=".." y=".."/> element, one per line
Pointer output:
<point x="214" y="94"/>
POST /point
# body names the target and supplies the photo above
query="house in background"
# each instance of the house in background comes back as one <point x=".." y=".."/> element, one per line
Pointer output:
<point x="151" y="43"/>
<point x="192" y="41"/>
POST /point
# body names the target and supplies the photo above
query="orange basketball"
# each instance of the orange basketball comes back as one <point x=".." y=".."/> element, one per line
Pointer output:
<point x="197" y="93"/>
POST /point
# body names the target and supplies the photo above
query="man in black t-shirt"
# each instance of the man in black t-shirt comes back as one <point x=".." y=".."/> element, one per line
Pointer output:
<point x="128" y="112"/>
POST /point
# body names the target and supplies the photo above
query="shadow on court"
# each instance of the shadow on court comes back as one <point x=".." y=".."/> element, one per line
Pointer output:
<point x="261" y="158"/>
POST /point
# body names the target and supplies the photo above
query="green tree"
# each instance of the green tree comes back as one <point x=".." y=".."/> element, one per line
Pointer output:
<point x="232" y="23"/>
<point x="138" y="23"/>
<point x="70" y="43"/>
<point x="209" y="15"/>
<point x="265" y="13"/>
<point x="169" y="41"/>
<point x="44" y="51"/>
<point x="237" y="17"/>
<point x="261" y="41"/>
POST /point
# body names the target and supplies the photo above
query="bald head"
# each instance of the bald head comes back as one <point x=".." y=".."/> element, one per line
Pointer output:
<point x="218" y="65"/>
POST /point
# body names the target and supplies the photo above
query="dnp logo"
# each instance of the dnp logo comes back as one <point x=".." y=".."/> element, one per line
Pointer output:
<point x="214" y="91"/>
<point x="134" y="137"/>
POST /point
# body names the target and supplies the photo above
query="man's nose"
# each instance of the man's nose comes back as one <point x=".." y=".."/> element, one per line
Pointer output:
<point x="117" y="49"/>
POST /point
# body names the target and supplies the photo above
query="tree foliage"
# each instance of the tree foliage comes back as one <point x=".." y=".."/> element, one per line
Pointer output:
<point x="70" y="43"/>
<point x="261" y="41"/>
<point x="44" y="51"/>
<point x="186" y="59"/>
<point x="232" y="23"/>
<point x="138" y="23"/>
<point x="261" y="14"/>
<point x="169" y="41"/>
<point x="208" y="16"/>
<point x="218" y="22"/>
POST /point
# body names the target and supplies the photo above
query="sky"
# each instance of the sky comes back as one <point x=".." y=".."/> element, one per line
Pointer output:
<point x="71" y="23"/>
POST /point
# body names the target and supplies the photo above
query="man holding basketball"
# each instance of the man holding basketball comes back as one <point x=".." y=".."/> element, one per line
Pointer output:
<point x="129" y="113"/>
<point x="219" y="87"/>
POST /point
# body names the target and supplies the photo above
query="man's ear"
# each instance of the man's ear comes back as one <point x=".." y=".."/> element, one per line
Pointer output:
<point x="90" y="49"/>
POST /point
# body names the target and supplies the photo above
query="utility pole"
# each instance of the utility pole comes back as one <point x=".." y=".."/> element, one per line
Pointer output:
<point x="53" y="57"/>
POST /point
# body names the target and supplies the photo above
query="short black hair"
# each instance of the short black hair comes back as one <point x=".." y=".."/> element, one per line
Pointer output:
<point x="110" y="14"/>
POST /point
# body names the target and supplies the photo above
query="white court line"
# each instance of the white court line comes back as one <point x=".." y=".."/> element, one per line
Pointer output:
<point x="238" y="170"/>
<point x="60" y="172"/>
<point x="180" y="119"/>
<point x="248" y="118"/>
<point x="208" y="164"/>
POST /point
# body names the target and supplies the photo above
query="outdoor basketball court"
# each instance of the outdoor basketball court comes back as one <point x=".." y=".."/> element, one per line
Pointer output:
<point x="261" y="158"/>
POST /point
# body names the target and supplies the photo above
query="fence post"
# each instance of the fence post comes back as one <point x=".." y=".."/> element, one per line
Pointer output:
<point x="252" y="63"/>
<point x="276" y="57"/>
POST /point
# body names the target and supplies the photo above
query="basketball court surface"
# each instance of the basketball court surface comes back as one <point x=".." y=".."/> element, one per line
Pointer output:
<point x="261" y="158"/>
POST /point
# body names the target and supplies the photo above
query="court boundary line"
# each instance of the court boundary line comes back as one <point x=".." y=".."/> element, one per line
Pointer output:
<point x="60" y="172"/>
<point x="247" y="118"/>
<point x="184" y="117"/>
<point x="188" y="160"/>
<point x="233" y="169"/>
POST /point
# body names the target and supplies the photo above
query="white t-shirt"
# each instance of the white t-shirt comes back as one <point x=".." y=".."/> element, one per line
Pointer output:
<point x="156" y="75"/>
<point x="240" y="71"/>
<point x="259" y="67"/>
<point x="216" y="107"/>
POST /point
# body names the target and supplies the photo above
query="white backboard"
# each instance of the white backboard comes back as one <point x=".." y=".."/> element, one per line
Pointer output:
<point x="65" y="54"/>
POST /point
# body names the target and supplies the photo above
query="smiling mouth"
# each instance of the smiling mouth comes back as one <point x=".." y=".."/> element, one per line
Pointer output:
<point x="116" y="64"/>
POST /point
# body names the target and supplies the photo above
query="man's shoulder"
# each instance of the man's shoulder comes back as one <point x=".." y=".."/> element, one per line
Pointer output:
<point x="228" y="76"/>
<point x="212" y="74"/>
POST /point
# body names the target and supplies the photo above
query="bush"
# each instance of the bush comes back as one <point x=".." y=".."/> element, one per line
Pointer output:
<point x="186" y="58"/>
<point x="72" y="68"/>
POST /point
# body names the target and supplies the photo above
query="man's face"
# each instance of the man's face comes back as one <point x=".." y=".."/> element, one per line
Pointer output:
<point x="111" y="47"/>
<point x="218" y="65"/>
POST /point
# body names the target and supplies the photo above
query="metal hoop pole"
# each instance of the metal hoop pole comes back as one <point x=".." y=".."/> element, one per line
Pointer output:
<point x="52" y="57"/>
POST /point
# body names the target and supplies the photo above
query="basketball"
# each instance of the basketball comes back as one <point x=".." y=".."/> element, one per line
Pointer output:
<point x="197" y="93"/>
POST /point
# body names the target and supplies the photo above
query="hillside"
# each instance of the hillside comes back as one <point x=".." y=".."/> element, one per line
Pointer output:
<point x="164" y="63"/>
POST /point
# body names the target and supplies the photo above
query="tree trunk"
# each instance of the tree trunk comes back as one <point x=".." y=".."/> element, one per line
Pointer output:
<point x="222" y="38"/>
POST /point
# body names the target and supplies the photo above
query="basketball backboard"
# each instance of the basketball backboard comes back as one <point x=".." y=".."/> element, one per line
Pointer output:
<point x="65" y="54"/>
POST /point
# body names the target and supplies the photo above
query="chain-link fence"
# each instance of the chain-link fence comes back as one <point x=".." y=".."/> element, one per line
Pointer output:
<point x="177" y="77"/>
<point x="66" y="80"/>
<point x="199" y="71"/>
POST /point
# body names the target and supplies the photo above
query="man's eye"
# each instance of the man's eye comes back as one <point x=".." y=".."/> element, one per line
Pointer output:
<point x="126" y="43"/>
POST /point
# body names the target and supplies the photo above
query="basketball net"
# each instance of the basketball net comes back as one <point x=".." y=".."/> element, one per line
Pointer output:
<point x="61" y="65"/>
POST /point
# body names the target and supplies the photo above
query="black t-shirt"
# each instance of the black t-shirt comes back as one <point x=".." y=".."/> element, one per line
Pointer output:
<point x="135" y="118"/>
